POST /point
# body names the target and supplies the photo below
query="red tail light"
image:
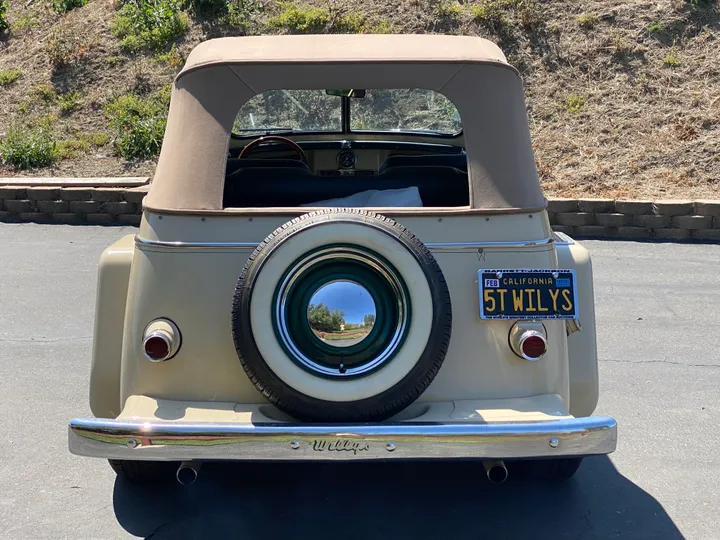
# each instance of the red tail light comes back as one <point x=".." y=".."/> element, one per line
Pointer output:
<point x="533" y="347"/>
<point x="528" y="340"/>
<point x="161" y="340"/>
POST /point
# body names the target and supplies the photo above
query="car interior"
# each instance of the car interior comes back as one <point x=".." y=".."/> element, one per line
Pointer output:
<point x="271" y="166"/>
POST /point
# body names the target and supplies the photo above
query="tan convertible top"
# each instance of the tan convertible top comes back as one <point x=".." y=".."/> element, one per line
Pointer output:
<point x="221" y="75"/>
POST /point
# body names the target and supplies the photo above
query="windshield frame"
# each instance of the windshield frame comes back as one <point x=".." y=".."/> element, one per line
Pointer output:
<point x="345" y="128"/>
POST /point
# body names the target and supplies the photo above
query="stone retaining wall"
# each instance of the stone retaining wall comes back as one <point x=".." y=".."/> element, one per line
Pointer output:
<point x="580" y="218"/>
<point x="72" y="205"/>
<point x="607" y="218"/>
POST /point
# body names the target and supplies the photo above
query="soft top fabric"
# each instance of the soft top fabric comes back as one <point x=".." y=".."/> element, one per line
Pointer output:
<point x="221" y="75"/>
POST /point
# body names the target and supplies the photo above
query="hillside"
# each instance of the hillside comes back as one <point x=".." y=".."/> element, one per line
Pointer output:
<point x="623" y="96"/>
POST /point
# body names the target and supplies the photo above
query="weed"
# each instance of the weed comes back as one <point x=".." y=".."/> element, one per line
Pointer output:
<point x="644" y="82"/>
<point x="586" y="21"/>
<point x="242" y="12"/>
<point x="30" y="21"/>
<point x="139" y="123"/>
<point x="655" y="27"/>
<point x="351" y="23"/>
<point x="115" y="60"/>
<point x="447" y="9"/>
<point x="63" y="46"/>
<point x="63" y="6"/>
<point x="301" y="20"/>
<point x="172" y="58"/>
<point x="671" y="60"/>
<point x="69" y="102"/>
<point x="98" y="139"/>
<point x="314" y="20"/>
<point x="3" y="15"/>
<point x="574" y="103"/>
<point x="149" y="24"/>
<point x="27" y="147"/>
<point x="383" y="27"/>
<point x="44" y="93"/>
<point x="490" y="14"/>
<point x="529" y="13"/>
<point x="620" y="46"/>
<point x="69" y="148"/>
<point x="9" y="76"/>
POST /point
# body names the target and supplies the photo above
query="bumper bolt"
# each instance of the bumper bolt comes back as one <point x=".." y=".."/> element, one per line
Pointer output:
<point x="132" y="443"/>
<point x="294" y="445"/>
<point x="554" y="443"/>
<point x="390" y="446"/>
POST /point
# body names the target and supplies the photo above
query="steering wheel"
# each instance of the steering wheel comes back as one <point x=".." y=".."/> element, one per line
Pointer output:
<point x="274" y="138"/>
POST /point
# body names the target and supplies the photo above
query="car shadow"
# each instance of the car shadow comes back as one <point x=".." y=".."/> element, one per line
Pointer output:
<point x="390" y="500"/>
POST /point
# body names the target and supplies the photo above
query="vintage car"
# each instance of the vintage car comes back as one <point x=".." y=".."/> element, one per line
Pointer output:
<point x="345" y="254"/>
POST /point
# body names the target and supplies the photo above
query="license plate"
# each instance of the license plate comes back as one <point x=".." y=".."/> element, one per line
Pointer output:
<point x="527" y="294"/>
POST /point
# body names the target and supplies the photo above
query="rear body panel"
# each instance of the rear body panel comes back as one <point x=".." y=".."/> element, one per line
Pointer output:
<point x="185" y="268"/>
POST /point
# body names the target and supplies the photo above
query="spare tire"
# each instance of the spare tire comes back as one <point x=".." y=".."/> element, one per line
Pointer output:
<point x="341" y="315"/>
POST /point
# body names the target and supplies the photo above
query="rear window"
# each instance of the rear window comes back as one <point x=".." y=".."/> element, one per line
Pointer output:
<point x="412" y="111"/>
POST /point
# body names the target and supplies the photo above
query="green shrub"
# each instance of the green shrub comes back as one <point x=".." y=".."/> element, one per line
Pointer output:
<point x="655" y="27"/>
<point x="139" y="123"/>
<point x="69" y="102"/>
<point x="149" y="24"/>
<point x="28" y="147"/>
<point x="172" y="58"/>
<point x="242" y="12"/>
<point x="383" y="27"/>
<point x="3" y="15"/>
<point x="314" y="20"/>
<point x="301" y="20"/>
<point x="63" y="6"/>
<point x="44" y="93"/>
<point x="9" y="76"/>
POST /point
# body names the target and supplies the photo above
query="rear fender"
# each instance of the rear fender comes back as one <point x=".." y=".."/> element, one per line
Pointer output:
<point x="582" y="346"/>
<point x="112" y="290"/>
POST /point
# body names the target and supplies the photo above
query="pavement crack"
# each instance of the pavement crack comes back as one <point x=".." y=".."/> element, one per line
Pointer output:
<point x="659" y="362"/>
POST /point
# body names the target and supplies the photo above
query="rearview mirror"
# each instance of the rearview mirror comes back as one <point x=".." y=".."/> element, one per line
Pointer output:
<point x="353" y="93"/>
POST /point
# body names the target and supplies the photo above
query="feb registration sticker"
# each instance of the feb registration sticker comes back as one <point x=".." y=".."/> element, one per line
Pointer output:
<point x="527" y="294"/>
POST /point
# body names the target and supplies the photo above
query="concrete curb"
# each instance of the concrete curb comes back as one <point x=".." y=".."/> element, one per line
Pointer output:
<point x="105" y="201"/>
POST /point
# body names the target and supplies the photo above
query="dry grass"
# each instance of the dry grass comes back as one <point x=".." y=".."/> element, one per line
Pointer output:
<point x="622" y="95"/>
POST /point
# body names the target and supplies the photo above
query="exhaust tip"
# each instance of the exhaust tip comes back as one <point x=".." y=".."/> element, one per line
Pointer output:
<point x="496" y="471"/>
<point x="187" y="473"/>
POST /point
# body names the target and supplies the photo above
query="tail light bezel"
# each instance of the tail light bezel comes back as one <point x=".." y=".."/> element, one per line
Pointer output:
<point x="168" y="332"/>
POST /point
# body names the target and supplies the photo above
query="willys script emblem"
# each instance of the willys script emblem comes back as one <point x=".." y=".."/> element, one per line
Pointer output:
<point x="342" y="445"/>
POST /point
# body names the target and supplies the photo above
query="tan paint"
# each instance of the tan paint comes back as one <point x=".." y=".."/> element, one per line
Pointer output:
<point x="582" y="346"/>
<point x="112" y="287"/>
<point x="528" y="409"/>
<point x="194" y="288"/>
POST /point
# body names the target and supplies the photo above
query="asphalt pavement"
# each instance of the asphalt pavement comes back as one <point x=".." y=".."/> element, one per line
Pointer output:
<point x="657" y="310"/>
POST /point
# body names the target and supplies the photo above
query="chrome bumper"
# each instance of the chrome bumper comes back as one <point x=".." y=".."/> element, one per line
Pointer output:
<point x="176" y="441"/>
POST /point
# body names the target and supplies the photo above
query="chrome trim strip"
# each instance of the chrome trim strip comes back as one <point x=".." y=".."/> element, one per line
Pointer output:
<point x="434" y="246"/>
<point x="177" y="441"/>
<point x="562" y="239"/>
